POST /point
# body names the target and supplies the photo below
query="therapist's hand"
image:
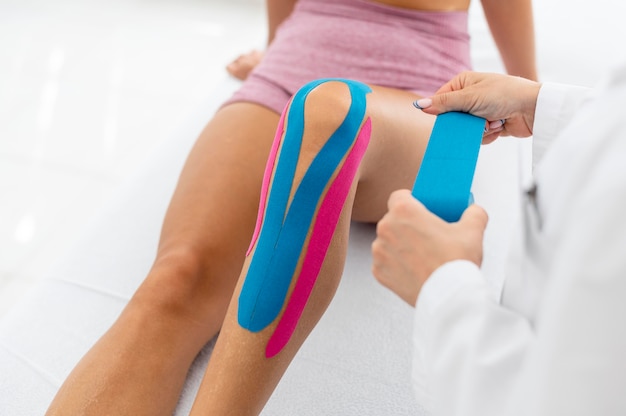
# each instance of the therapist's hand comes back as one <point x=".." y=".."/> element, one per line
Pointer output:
<point x="494" y="97"/>
<point x="412" y="243"/>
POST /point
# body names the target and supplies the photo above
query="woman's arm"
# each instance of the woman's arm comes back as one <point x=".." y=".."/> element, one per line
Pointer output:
<point x="512" y="28"/>
<point x="277" y="12"/>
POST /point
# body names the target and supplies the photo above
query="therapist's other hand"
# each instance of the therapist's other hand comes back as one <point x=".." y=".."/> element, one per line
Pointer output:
<point x="495" y="97"/>
<point x="241" y="67"/>
<point x="412" y="243"/>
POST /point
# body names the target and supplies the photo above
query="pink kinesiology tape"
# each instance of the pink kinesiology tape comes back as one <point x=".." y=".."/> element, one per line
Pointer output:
<point x="267" y="178"/>
<point x="279" y="240"/>
<point x="325" y="224"/>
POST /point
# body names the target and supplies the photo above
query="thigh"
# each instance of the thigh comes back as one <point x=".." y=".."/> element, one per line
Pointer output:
<point x="400" y="134"/>
<point x="214" y="207"/>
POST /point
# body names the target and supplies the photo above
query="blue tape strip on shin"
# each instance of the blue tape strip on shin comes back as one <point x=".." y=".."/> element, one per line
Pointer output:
<point x="282" y="237"/>
<point x="447" y="170"/>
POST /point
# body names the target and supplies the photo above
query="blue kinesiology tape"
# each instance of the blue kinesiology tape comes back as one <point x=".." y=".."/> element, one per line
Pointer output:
<point x="445" y="177"/>
<point x="284" y="229"/>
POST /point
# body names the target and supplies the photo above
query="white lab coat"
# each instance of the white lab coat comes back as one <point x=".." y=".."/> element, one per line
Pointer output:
<point x="556" y="343"/>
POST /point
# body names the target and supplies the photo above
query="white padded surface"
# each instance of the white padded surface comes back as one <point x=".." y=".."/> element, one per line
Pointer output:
<point x="355" y="362"/>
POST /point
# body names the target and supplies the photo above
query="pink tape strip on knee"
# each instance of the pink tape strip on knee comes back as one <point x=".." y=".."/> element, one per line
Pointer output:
<point x="323" y="231"/>
<point x="267" y="177"/>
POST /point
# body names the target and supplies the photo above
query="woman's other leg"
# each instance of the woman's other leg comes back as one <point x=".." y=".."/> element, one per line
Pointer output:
<point x="138" y="367"/>
<point x="240" y="376"/>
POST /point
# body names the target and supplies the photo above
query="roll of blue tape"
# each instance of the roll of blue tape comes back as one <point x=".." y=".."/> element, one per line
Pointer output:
<point x="444" y="180"/>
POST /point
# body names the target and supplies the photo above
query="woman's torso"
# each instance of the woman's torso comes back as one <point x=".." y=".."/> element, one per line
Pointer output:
<point x="369" y="41"/>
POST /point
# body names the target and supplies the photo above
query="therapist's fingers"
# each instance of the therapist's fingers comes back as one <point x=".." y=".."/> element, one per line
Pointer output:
<point x="474" y="220"/>
<point x="412" y="242"/>
<point x="508" y="103"/>
<point x="475" y="216"/>
<point x="398" y="197"/>
<point x="441" y="241"/>
<point x="398" y="249"/>
<point x="467" y="92"/>
<point x="491" y="136"/>
<point x="472" y="226"/>
<point x="483" y="94"/>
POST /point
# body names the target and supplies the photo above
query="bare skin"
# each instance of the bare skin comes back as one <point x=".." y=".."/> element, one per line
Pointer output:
<point x="138" y="367"/>
<point x="211" y="216"/>
<point x="161" y="331"/>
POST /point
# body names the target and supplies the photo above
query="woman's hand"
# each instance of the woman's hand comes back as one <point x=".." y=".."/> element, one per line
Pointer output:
<point x="508" y="103"/>
<point x="241" y="67"/>
<point x="412" y="243"/>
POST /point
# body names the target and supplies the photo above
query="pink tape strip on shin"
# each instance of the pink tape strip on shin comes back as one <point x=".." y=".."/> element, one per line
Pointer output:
<point x="323" y="231"/>
<point x="267" y="177"/>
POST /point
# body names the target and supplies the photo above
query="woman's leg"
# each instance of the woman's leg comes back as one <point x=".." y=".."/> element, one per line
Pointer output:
<point x="138" y="367"/>
<point x="240" y="376"/>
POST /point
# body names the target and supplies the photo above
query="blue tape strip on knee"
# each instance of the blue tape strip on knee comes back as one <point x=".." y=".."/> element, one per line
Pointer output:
<point x="282" y="236"/>
<point x="447" y="170"/>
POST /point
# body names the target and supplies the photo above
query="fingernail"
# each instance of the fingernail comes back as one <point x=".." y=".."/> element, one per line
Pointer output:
<point x="423" y="103"/>
<point x="496" y="124"/>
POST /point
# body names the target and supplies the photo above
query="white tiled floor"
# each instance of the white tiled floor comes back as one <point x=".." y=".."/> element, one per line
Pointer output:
<point x="86" y="90"/>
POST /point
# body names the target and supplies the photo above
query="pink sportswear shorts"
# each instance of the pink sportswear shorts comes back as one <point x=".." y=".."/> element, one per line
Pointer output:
<point x="360" y="40"/>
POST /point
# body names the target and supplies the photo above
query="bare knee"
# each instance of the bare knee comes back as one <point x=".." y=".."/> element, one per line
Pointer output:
<point x="189" y="284"/>
<point x="327" y="104"/>
<point x="326" y="107"/>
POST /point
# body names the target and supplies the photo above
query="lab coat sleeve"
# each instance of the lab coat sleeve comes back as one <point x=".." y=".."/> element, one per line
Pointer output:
<point x="474" y="357"/>
<point x="466" y="346"/>
<point x="577" y="365"/>
<point x="556" y="105"/>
